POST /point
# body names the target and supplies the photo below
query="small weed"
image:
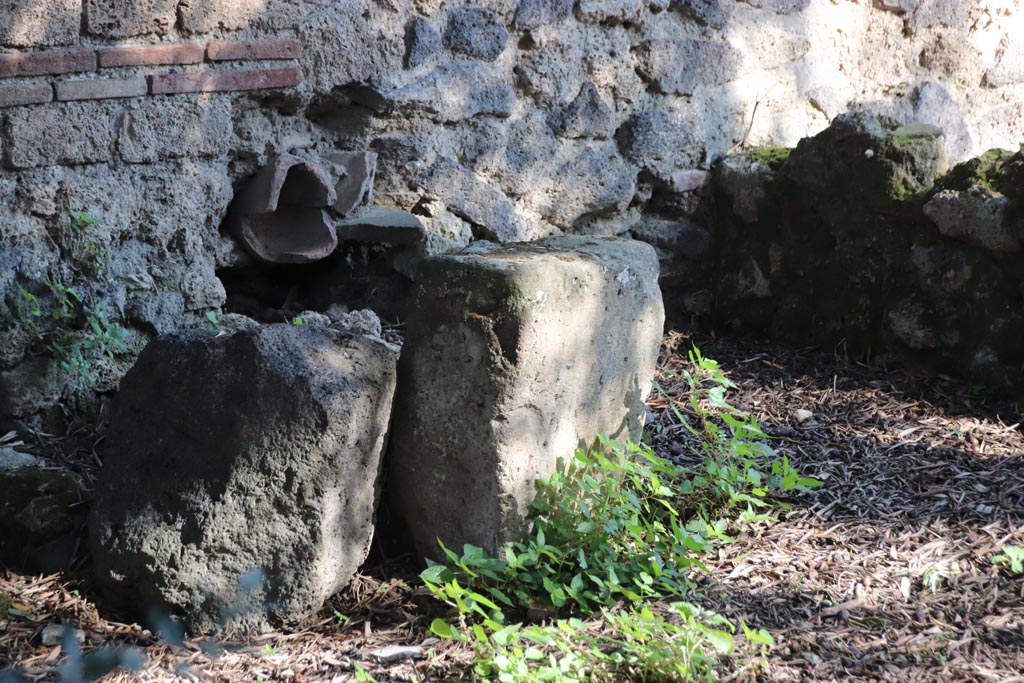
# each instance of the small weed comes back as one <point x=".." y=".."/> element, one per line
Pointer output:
<point x="341" y="619"/>
<point x="71" y="329"/>
<point x="214" y="319"/>
<point x="71" y="326"/>
<point x="85" y="247"/>
<point x="1012" y="559"/>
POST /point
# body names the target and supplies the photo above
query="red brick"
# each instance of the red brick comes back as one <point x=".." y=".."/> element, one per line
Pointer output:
<point x="47" y="62"/>
<point x="223" y="50"/>
<point x="152" y="55"/>
<point x="225" y="81"/>
<point x="102" y="88"/>
<point x="17" y="94"/>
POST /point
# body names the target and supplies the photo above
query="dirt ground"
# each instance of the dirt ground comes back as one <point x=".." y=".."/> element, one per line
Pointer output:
<point x="885" y="573"/>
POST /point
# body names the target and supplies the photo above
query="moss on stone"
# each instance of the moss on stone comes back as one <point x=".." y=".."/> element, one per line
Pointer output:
<point x="988" y="170"/>
<point x="772" y="157"/>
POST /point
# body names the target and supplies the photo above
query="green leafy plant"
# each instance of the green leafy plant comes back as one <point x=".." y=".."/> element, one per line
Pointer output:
<point x="613" y="532"/>
<point x="1012" y="558"/>
<point x="213" y="318"/>
<point x="70" y="328"/>
<point x="679" y="642"/>
<point x="68" y="320"/>
<point x="84" y="245"/>
<point x="740" y="468"/>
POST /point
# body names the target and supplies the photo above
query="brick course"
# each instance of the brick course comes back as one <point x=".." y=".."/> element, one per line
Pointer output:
<point x="223" y="50"/>
<point x="152" y="55"/>
<point x="47" y="63"/>
<point x="102" y="88"/>
<point x="225" y="81"/>
<point x="18" y="94"/>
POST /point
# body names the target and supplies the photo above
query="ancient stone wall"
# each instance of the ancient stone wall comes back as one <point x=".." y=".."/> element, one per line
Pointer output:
<point x="506" y="119"/>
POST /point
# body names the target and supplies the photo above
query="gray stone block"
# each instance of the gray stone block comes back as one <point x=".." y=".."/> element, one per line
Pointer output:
<point x="158" y="312"/>
<point x="171" y="128"/>
<point x="683" y="65"/>
<point x="246" y="495"/>
<point x="713" y="13"/>
<point x="475" y="31"/>
<point x="531" y="14"/>
<point x="595" y="182"/>
<point x="587" y="116"/>
<point x="472" y="199"/>
<point x="662" y="141"/>
<point x="128" y="18"/>
<point x="456" y="92"/>
<point x="72" y="133"/>
<point x="38" y="23"/>
<point x="514" y="356"/>
<point x="422" y="41"/>
<point x="598" y="11"/>
<point x="41" y="514"/>
<point x="203" y="16"/>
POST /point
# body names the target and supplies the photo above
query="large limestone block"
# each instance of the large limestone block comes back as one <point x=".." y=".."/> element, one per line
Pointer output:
<point x="514" y="356"/>
<point x="239" y="479"/>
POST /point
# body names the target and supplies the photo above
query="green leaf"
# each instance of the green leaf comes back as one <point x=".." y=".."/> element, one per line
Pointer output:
<point x="721" y="641"/>
<point x="441" y="629"/>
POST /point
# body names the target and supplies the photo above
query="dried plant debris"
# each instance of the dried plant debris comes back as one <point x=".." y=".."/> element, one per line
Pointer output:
<point x="886" y="572"/>
<point x="899" y="568"/>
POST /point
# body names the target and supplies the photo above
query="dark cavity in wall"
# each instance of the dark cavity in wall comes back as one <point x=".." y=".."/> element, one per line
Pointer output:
<point x="356" y="276"/>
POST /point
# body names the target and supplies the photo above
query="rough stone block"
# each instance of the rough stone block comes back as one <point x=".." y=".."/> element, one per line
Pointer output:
<point x="50" y="62"/>
<point x="152" y="55"/>
<point x="587" y="116"/>
<point x="475" y="31"/>
<point x="531" y="14"/>
<point x="204" y="16"/>
<point x="128" y="18"/>
<point x="455" y="92"/>
<point x="228" y="50"/>
<point x="225" y="81"/>
<point x="20" y="93"/>
<point x="246" y="496"/>
<point x="358" y="41"/>
<point x="595" y="182"/>
<point x="41" y="515"/>
<point x="713" y="13"/>
<point x="597" y="11"/>
<point x="40" y="23"/>
<point x="173" y="128"/>
<point x="474" y="200"/>
<point x="682" y="66"/>
<point x="494" y="389"/>
<point x="102" y="89"/>
<point x="977" y="216"/>
<point x="421" y="42"/>
<point x="662" y="141"/>
<point x="72" y="133"/>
